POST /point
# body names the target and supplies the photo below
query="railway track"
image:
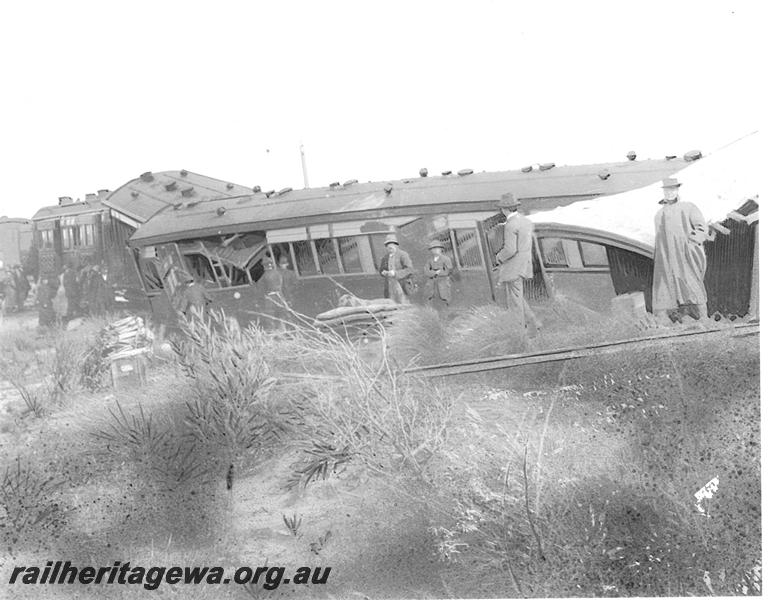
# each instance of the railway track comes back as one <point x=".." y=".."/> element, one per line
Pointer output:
<point x="576" y="352"/>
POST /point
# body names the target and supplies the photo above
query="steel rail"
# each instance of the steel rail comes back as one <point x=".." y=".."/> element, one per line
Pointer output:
<point x="562" y="354"/>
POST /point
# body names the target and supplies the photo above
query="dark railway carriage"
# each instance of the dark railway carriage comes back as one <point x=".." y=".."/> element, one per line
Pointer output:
<point x="71" y="233"/>
<point x="334" y="236"/>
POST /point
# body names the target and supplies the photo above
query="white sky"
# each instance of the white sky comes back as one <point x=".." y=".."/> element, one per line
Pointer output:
<point x="95" y="93"/>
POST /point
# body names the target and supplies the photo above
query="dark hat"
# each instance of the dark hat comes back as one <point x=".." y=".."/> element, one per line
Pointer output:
<point x="508" y="200"/>
<point x="670" y="182"/>
<point x="391" y="239"/>
<point x="435" y="244"/>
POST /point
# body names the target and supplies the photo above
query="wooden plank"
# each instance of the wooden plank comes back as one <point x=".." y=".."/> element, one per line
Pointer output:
<point x="517" y="360"/>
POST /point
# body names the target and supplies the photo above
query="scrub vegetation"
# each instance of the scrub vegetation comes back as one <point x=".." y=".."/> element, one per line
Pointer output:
<point x="244" y="446"/>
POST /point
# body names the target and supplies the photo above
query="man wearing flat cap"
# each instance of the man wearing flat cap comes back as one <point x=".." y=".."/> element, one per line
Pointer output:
<point x="398" y="270"/>
<point x="437" y="271"/>
<point x="679" y="257"/>
<point x="514" y="260"/>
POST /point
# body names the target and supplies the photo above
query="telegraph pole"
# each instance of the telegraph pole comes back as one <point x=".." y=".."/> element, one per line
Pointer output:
<point x="304" y="167"/>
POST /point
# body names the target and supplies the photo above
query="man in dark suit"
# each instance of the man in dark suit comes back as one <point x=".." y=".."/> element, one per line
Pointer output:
<point x="514" y="260"/>
<point x="397" y="269"/>
<point x="438" y="270"/>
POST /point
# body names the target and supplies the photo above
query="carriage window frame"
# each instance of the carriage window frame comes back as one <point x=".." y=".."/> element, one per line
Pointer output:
<point x="364" y="244"/>
<point x="46" y="240"/>
<point x="457" y="255"/>
<point x="574" y="257"/>
<point x="591" y="265"/>
<point x="86" y="236"/>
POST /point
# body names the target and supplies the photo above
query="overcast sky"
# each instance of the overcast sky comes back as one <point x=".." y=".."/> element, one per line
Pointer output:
<point x="95" y="93"/>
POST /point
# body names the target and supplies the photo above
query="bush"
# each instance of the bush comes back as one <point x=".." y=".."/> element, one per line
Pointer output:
<point x="233" y="411"/>
<point x="613" y="463"/>
<point x="28" y="503"/>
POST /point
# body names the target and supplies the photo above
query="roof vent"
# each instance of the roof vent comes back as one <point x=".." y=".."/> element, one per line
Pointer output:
<point x="187" y="192"/>
<point x="604" y="175"/>
<point x="220" y="211"/>
<point x="256" y="189"/>
<point x="444" y="173"/>
<point x="631" y="155"/>
<point x="230" y="186"/>
<point x="423" y="172"/>
<point x="134" y="194"/>
<point x="148" y="176"/>
<point x="692" y="155"/>
<point x="527" y="169"/>
<point x="270" y="193"/>
<point x="170" y="187"/>
<point x="546" y="166"/>
<point x="671" y="157"/>
<point x="285" y="190"/>
<point x="406" y="180"/>
<point x="464" y="172"/>
<point x="350" y="182"/>
<point x="184" y="173"/>
<point x="193" y="203"/>
<point x="388" y="188"/>
<point x="178" y="205"/>
<point x="333" y="184"/>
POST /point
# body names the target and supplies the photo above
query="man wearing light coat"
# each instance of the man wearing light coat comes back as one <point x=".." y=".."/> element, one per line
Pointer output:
<point x="514" y="260"/>
<point x="679" y="257"/>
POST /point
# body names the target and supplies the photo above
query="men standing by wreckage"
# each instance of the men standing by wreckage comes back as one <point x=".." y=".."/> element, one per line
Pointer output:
<point x="679" y="257"/>
<point x="398" y="270"/>
<point x="514" y="260"/>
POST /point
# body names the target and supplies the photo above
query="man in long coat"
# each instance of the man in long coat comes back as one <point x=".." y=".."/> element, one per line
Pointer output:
<point x="679" y="257"/>
<point x="398" y="270"/>
<point x="438" y="270"/>
<point x="514" y="260"/>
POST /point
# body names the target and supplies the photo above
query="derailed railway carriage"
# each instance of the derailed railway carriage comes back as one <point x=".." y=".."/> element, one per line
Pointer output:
<point x="334" y="237"/>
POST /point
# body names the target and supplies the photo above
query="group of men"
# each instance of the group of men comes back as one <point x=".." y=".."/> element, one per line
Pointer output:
<point x="679" y="263"/>
<point x="74" y="292"/>
<point x="15" y="288"/>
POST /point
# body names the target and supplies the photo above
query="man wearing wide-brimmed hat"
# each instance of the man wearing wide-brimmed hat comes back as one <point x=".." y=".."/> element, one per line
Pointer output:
<point x="398" y="270"/>
<point x="679" y="257"/>
<point x="437" y="271"/>
<point x="514" y="260"/>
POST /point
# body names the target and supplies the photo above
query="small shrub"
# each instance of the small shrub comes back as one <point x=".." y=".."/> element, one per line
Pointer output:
<point x="28" y="500"/>
<point x="233" y="411"/>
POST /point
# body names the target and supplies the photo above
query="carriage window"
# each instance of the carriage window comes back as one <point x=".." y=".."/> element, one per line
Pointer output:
<point x="553" y="252"/>
<point x="350" y="249"/>
<point x="199" y="265"/>
<point x="69" y="237"/>
<point x="468" y="249"/>
<point x="327" y="256"/>
<point x="45" y="239"/>
<point x="86" y="235"/>
<point x="593" y="255"/>
<point x="305" y="263"/>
